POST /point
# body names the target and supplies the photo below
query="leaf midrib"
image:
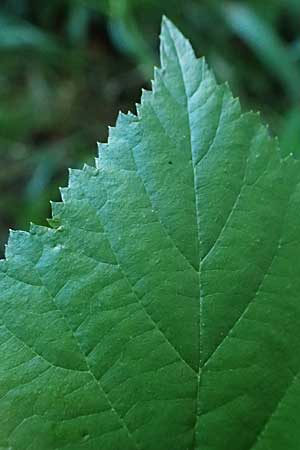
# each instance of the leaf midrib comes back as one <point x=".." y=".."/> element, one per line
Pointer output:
<point x="197" y="214"/>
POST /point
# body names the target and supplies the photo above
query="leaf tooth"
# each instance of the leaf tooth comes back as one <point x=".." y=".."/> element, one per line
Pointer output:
<point x="111" y="133"/>
<point x="158" y="78"/>
<point x="56" y="219"/>
<point x="116" y="132"/>
<point x="103" y="150"/>
<point x="64" y="192"/>
<point x="74" y="175"/>
<point x="90" y="170"/>
<point x="36" y="229"/>
<point x="24" y="246"/>
<point x="124" y="118"/>
<point x="146" y="95"/>
<point x="145" y="98"/>
<point x="17" y="243"/>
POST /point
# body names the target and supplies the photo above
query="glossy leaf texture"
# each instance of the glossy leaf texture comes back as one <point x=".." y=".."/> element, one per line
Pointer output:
<point x="161" y="311"/>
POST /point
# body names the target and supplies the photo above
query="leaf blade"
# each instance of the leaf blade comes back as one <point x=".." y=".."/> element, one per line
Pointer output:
<point x="144" y="319"/>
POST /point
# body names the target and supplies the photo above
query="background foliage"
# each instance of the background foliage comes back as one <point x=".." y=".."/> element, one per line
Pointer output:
<point x="68" y="66"/>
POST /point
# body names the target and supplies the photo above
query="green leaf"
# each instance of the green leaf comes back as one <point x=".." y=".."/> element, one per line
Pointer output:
<point x="161" y="310"/>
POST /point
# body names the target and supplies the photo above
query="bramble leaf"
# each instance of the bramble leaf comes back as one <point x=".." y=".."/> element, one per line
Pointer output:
<point x="161" y="311"/>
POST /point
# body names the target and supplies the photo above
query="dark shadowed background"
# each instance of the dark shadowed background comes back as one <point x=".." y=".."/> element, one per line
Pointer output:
<point x="68" y="66"/>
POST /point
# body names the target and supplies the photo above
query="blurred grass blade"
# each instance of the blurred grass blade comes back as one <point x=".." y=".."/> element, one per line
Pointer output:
<point x="77" y="25"/>
<point x="127" y="36"/>
<point x="17" y="33"/>
<point x="267" y="46"/>
<point x="295" y="50"/>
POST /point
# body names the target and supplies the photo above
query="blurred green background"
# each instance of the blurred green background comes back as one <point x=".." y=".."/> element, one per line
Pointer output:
<point x="68" y="66"/>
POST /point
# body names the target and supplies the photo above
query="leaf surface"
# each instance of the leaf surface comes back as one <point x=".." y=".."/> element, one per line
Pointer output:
<point x="161" y="310"/>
